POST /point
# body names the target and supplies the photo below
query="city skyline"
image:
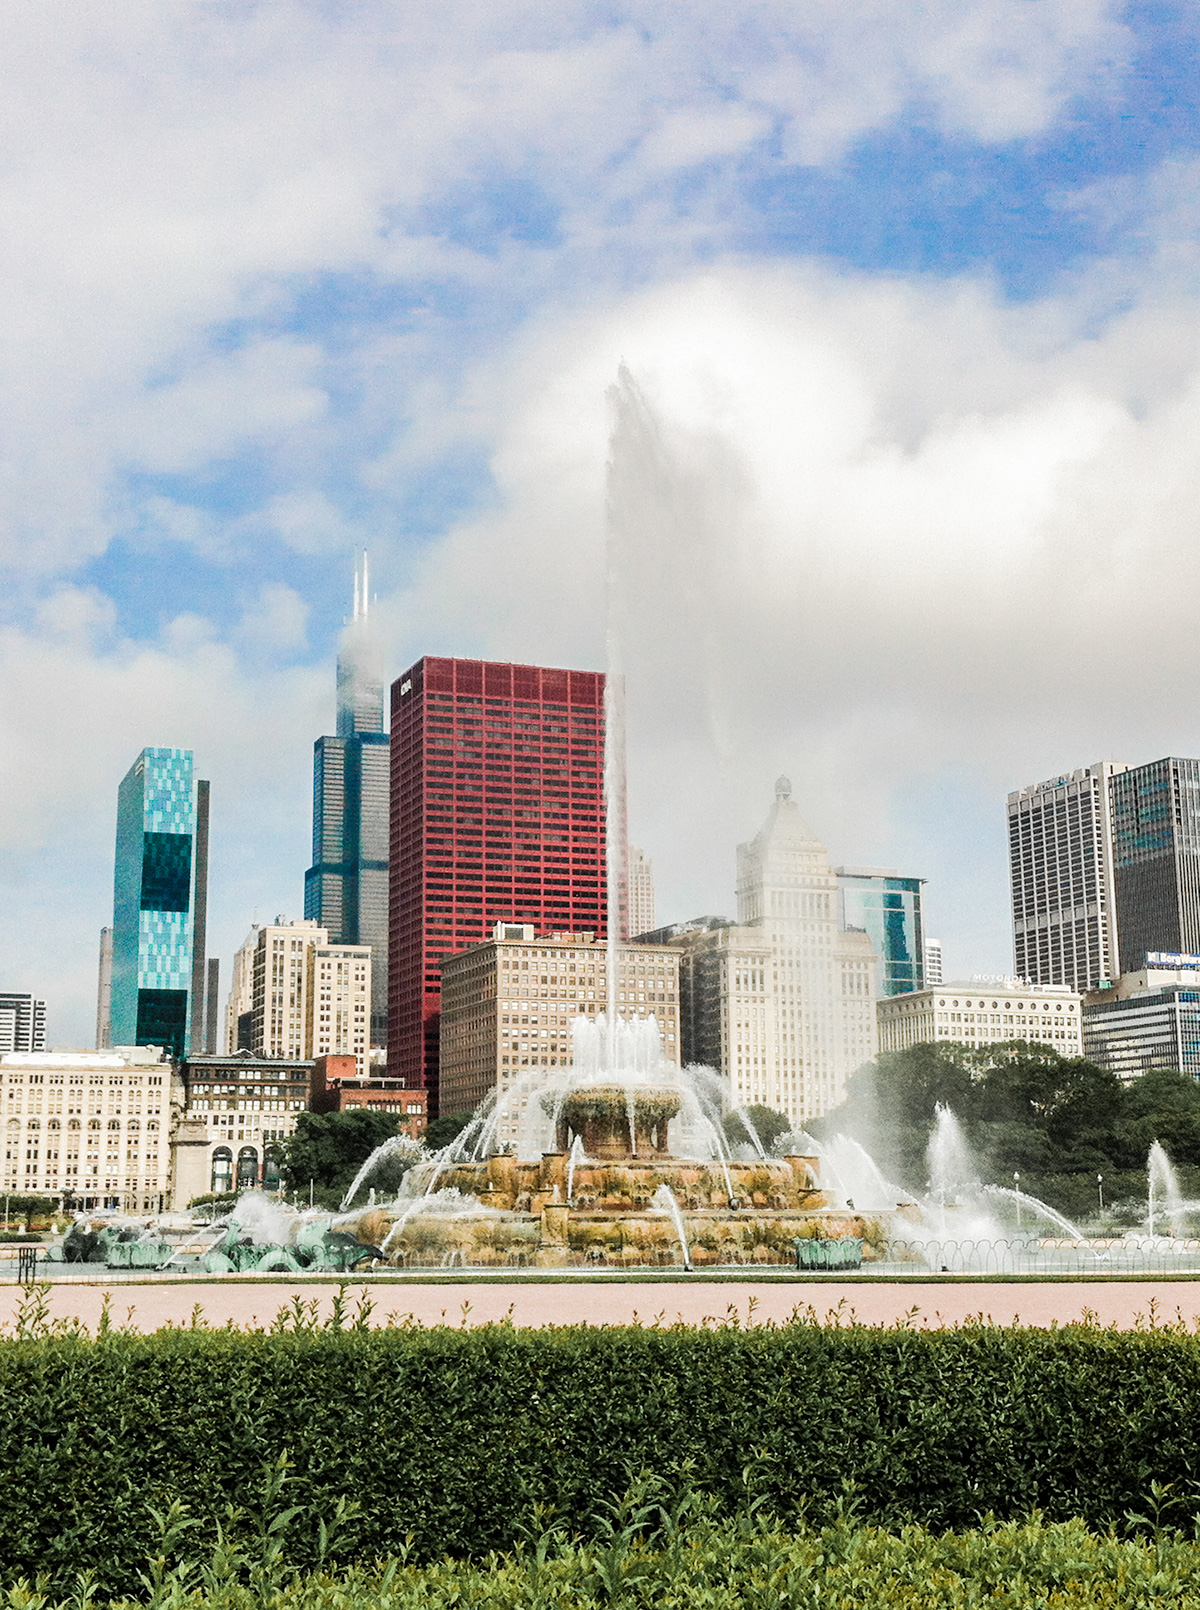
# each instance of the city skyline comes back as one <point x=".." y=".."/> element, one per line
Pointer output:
<point x="907" y="301"/>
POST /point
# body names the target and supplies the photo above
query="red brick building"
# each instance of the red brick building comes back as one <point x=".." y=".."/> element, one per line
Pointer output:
<point x="337" y="1086"/>
<point x="497" y="814"/>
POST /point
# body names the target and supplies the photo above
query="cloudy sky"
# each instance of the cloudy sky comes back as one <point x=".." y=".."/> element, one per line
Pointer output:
<point x="908" y="296"/>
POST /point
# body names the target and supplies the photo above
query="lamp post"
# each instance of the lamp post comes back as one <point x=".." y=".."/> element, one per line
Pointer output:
<point x="1100" y="1189"/>
<point x="1017" y="1189"/>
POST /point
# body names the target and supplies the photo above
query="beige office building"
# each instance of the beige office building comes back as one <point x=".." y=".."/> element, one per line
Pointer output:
<point x="301" y="996"/>
<point x="508" y="1005"/>
<point x="641" y="893"/>
<point x="979" y="1015"/>
<point x="91" y="1126"/>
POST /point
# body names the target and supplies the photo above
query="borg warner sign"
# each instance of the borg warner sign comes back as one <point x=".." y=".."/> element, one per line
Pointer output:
<point x="1170" y="958"/>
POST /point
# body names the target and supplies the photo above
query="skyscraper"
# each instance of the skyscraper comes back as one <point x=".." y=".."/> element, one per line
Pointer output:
<point x="888" y="908"/>
<point x="641" y="892"/>
<point x="1156" y="840"/>
<point x="346" y="888"/>
<point x="22" y="1022"/>
<point x="296" y="995"/>
<point x="497" y="814"/>
<point x="160" y="870"/>
<point x="1066" y="911"/>
<point x="782" y="1001"/>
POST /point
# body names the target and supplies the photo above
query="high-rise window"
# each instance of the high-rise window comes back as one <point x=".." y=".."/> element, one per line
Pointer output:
<point x="497" y="812"/>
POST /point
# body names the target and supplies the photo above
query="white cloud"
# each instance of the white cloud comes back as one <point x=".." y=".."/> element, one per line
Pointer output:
<point x="173" y="170"/>
<point x="884" y="581"/>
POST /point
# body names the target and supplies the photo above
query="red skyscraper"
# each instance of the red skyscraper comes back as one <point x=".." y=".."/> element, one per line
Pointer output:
<point x="497" y="812"/>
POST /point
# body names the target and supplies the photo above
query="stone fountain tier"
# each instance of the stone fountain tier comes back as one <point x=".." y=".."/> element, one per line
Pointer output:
<point x="606" y="1186"/>
<point x="614" y="1120"/>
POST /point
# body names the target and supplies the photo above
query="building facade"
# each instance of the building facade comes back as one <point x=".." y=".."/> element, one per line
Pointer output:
<point x="508" y="1004"/>
<point x="1147" y="1019"/>
<point x="1156" y="834"/>
<point x="346" y="888"/>
<point x="886" y="907"/>
<point x="933" y="961"/>
<point x="156" y="992"/>
<point x="22" y="1022"/>
<point x="239" y="1110"/>
<point x="641" y="893"/>
<point x="296" y="996"/>
<point x="1061" y="866"/>
<point x="338" y="1087"/>
<point x="91" y="1127"/>
<point x="979" y="1015"/>
<point x="497" y="806"/>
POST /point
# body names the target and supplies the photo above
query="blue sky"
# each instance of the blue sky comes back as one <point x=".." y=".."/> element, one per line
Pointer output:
<point x="912" y="289"/>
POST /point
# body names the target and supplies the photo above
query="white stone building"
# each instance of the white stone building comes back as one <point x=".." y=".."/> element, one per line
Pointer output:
<point x="299" y="996"/>
<point x="981" y="1014"/>
<point x="93" y="1126"/>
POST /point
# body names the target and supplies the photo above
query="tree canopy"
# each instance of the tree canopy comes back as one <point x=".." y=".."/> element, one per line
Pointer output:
<point x="768" y="1124"/>
<point x="1023" y="1108"/>
<point x="330" y="1148"/>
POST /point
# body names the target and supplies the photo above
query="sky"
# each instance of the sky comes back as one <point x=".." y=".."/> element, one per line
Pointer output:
<point x="904" y="294"/>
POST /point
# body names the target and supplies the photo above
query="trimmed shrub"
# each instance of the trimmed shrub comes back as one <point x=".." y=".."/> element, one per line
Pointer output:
<point x="458" y="1439"/>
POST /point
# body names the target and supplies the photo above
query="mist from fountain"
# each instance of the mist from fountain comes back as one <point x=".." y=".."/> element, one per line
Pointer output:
<point x="850" y="1172"/>
<point x="1163" y="1191"/>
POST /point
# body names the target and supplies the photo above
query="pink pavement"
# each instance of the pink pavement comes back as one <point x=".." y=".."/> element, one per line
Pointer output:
<point x="147" y="1306"/>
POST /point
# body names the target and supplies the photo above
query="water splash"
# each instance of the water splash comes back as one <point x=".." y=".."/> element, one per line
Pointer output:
<point x="1163" y="1190"/>
<point x="664" y="1198"/>
<point x="577" y="1156"/>
<point x="849" y="1167"/>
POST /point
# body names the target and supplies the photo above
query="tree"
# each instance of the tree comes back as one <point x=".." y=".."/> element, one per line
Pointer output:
<point x="445" y="1129"/>
<point x="768" y="1124"/>
<point x="329" y="1149"/>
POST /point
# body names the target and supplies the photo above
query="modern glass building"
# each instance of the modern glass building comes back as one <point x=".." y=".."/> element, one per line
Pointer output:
<point x="888" y="908"/>
<point x="159" y="891"/>
<point x="1155" y="1028"/>
<point x="1156" y="853"/>
<point x="346" y="888"/>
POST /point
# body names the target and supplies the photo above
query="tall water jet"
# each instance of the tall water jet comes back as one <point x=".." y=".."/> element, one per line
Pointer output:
<point x="1164" y="1195"/>
<point x="664" y="1197"/>
<point x="951" y="1163"/>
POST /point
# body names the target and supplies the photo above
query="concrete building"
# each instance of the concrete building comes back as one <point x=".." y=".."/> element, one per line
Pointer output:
<point x="783" y="1001"/>
<point x="641" y="893"/>
<point x="239" y="1015"/>
<point x="1147" y="1019"/>
<point x="886" y="907"/>
<point x="983" y="1014"/>
<point x="306" y="997"/>
<point x="237" y="1111"/>
<point x="509" y="1003"/>
<point x="933" y="961"/>
<point x="338" y="1087"/>
<point x="104" y="991"/>
<point x="91" y="1127"/>
<point x="22" y="1022"/>
<point x="1061" y="864"/>
<point x="346" y="888"/>
<point x="1156" y="839"/>
<point x="160" y="891"/>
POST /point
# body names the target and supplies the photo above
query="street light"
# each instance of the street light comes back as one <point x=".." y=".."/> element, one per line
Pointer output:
<point x="1017" y="1188"/>
<point x="1100" y="1188"/>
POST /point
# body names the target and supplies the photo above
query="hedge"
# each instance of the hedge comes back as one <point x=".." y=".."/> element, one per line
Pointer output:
<point x="648" y="1554"/>
<point x="461" y="1441"/>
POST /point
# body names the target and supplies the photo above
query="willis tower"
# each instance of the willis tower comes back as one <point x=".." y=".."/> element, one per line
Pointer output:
<point x="346" y="888"/>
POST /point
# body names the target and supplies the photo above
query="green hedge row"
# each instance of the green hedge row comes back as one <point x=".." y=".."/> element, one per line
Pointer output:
<point x="458" y="1440"/>
<point x="695" y="1562"/>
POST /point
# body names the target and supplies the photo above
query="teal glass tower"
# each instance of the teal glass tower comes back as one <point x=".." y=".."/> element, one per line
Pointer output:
<point x="159" y="904"/>
<point x="346" y="888"/>
<point x="888" y="908"/>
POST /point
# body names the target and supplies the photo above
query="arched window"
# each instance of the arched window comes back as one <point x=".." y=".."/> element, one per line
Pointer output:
<point x="152" y="1124"/>
<point x="93" y="1123"/>
<point x="73" y="1124"/>
<point x="14" y="1123"/>
<point x="247" y="1168"/>
<point x="54" y="1124"/>
<point x="133" y="1126"/>
<point x="272" y="1158"/>
<point x="114" y="1123"/>
<point x="222" y="1170"/>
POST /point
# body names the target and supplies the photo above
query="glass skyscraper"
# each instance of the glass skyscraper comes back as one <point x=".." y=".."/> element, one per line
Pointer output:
<point x="1156" y="855"/>
<point x="159" y="896"/>
<point x="888" y="908"/>
<point x="346" y="888"/>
